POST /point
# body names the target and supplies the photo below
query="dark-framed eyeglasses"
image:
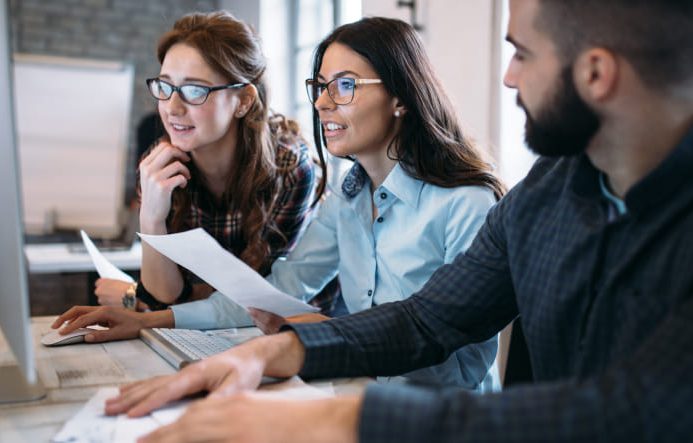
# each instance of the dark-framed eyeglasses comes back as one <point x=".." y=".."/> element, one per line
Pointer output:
<point x="191" y="93"/>
<point x="340" y="89"/>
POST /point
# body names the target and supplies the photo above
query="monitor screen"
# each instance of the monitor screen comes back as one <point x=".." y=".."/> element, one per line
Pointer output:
<point x="17" y="382"/>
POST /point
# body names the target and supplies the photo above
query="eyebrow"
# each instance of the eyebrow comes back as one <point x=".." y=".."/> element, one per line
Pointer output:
<point x="509" y="38"/>
<point x="340" y="74"/>
<point x="186" y="79"/>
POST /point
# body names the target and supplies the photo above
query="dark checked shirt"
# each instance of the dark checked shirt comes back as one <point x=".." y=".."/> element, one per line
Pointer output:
<point x="606" y="304"/>
<point x="292" y="204"/>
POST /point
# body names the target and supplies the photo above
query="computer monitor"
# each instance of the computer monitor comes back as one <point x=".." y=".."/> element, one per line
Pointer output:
<point x="18" y="382"/>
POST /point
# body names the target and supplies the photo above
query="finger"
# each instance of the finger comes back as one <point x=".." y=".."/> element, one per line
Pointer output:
<point x="133" y="393"/>
<point x="178" y="387"/>
<point x="166" y="155"/>
<point x="154" y="152"/>
<point x="88" y="318"/>
<point x="71" y="314"/>
<point x="173" y="169"/>
<point x="102" y="336"/>
<point x="174" y="182"/>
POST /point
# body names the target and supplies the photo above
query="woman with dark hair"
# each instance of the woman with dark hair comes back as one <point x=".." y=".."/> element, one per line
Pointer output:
<point x="417" y="192"/>
<point x="225" y="164"/>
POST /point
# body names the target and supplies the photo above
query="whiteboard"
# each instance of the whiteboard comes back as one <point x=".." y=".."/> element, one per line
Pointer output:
<point x="73" y="118"/>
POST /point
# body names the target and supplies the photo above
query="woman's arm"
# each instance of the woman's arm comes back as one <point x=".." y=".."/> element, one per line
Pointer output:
<point x="160" y="173"/>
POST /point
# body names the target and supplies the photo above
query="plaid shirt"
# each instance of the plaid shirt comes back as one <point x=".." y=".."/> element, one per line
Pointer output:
<point x="292" y="205"/>
<point x="607" y="307"/>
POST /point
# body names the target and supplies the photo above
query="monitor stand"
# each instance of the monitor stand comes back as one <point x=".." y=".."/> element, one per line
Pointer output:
<point x="15" y="389"/>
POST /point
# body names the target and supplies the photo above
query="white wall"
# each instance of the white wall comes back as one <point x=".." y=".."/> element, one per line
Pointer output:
<point x="460" y="37"/>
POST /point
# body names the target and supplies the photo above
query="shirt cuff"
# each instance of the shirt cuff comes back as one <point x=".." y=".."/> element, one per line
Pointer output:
<point x="326" y="354"/>
<point x="398" y="413"/>
<point x="215" y="312"/>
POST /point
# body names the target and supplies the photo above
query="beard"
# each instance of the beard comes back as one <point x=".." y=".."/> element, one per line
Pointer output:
<point x="563" y="127"/>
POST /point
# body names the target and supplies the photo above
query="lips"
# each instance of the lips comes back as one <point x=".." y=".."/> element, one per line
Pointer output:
<point x="332" y="129"/>
<point x="181" y="128"/>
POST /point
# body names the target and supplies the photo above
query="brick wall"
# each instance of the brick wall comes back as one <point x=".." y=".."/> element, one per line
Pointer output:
<point x="123" y="30"/>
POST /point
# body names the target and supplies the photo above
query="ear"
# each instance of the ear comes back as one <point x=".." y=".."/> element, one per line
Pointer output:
<point x="398" y="109"/>
<point x="596" y="74"/>
<point x="248" y="96"/>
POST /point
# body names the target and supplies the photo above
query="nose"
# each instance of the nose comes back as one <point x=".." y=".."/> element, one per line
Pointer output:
<point x="175" y="105"/>
<point x="510" y="77"/>
<point x="324" y="102"/>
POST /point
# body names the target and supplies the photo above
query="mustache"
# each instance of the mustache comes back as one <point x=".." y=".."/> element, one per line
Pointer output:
<point x="520" y="103"/>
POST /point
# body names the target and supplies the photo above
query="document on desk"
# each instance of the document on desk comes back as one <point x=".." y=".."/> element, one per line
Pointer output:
<point x="200" y="253"/>
<point x="105" y="268"/>
<point x="90" y="425"/>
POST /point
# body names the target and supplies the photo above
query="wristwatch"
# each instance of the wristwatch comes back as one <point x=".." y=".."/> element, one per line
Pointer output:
<point x="129" y="299"/>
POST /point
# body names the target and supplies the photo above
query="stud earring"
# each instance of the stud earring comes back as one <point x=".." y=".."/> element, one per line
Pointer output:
<point x="397" y="114"/>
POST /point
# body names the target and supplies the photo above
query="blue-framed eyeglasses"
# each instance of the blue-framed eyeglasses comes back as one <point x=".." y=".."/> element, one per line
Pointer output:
<point x="190" y="93"/>
<point x="340" y="89"/>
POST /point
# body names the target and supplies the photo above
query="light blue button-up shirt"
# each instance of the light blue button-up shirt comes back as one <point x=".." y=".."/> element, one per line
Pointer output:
<point x="418" y="228"/>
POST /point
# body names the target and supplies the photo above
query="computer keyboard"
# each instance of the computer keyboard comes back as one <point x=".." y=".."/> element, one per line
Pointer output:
<point x="199" y="344"/>
<point x="182" y="346"/>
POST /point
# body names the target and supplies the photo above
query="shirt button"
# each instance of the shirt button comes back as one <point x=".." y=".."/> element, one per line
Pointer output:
<point x="380" y="220"/>
<point x="370" y="292"/>
<point x="383" y="196"/>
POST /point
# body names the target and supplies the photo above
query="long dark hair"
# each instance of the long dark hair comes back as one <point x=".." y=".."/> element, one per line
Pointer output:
<point x="430" y="145"/>
<point x="231" y="48"/>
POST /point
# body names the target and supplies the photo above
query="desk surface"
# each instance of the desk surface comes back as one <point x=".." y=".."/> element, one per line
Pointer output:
<point x="71" y="379"/>
<point x="57" y="257"/>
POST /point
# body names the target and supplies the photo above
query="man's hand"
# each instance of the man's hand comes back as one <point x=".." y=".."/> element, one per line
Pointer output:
<point x="270" y="323"/>
<point x="122" y="323"/>
<point x="256" y="417"/>
<point x="240" y="368"/>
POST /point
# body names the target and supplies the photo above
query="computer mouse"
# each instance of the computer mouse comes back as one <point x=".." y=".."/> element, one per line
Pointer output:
<point x="54" y="338"/>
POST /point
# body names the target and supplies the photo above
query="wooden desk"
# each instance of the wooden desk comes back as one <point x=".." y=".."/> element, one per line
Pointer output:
<point x="69" y="375"/>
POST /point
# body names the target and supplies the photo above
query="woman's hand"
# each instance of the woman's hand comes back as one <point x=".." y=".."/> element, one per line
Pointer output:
<point x="122" y="323"/>
<point x="110" y="292"/>
<point x="160" y="173"/>
<point x="270" y="323"/>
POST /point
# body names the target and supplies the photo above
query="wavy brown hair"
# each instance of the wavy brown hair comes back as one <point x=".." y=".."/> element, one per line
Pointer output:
<point x="230" y="48"/>
<point x="430" y="145"/>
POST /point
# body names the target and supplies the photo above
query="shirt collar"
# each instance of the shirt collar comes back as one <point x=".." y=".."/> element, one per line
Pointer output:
<point x="666" y="179"/>
<point x="403" y="186"/>
<point x="354" y="181"/>
<point x="619" y="204"/>
<point x="398" y="182"/>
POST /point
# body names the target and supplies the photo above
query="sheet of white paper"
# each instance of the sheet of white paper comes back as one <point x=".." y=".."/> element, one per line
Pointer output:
<point x="200" y="253"/>
<point x="90" y="425"/>
<point x="105" y="268"/>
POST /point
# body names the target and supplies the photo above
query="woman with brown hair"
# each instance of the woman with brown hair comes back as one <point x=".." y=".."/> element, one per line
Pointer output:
<point x="225" y="163"/>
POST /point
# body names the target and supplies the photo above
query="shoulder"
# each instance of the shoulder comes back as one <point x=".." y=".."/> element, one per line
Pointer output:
<point x="545" y="181"/>
<point x="294" y="161"/>
<point x="472" y="198"/>
<point x="291" y="155"/>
